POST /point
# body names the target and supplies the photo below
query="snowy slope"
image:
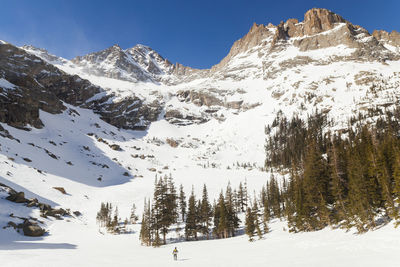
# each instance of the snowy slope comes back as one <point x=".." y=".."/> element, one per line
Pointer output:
<point x="224" y="110"/>
<point x="78" y="241"/>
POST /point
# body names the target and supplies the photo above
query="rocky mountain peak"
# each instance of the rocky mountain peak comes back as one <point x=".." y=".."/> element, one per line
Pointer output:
<point x="257" y="35"/>
<point x="116" y="46"/>
<point x="390" y="40"/>
<point x="142" y="47"/>
<point x="137" y="64"/>
<point x="115" y="49"/>
<point x="43" y="54"/>
<point x="318" y="20"/>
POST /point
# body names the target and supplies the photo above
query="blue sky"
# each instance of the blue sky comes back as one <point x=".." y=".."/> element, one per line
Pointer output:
<point x="194" y="33"/>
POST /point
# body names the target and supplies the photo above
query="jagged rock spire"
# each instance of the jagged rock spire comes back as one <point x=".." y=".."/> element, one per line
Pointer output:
<point x="317" y="20"/>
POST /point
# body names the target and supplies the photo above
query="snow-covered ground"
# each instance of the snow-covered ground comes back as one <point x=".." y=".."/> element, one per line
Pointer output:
<point x="73" y="151"/>
<point x="78" y="241"/>
<point x="73" y="244"/>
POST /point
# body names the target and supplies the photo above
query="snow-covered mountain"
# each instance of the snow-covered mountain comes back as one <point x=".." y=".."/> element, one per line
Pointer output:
<point x="102" y="125"/>
<point x="139" y="63"/>
<point x="323" y="62"/>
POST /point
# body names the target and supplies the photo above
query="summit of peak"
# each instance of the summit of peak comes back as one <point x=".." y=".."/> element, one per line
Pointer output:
<point x="35" y="48"/>
<point x="317" y="20"/>
<point x="115" y="47"/>
<point x="142" y="46"/>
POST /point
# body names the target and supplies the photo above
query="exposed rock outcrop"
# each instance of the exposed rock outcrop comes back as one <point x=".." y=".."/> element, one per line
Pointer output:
<point x="255" y="56"/>
<point x="137" y="64"/>
<point x="318" y="20"/>
<point x="29" y="227"/>
<point x="37" y="85"/>
<point x="392" y="39"/>
<point x="32" y="229"/>
<point x="257" y="35"/>
<point x="17" y="197"/>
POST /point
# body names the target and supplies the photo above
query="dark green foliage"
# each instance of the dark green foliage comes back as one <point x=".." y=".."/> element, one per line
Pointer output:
<point x="145" y="229"/>
<point x="205" y="213"/>
<point x="250" y="227"/>
<point x="288" y="145"/>
<point x="221" y="224"/>
<point x="182" y="203"/>
<point x="192" y="219"/>
<point x="133" y="217"/>
<point x="348" y="179"/>
<point x="164" y="208"/>
<point x="256" y="215"/>
<point x="242" y="197"/>
<point x="106" y="218"/>
<point x="232" y="218"/>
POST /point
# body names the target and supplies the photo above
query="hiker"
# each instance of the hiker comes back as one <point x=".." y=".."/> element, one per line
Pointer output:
<point x="175" y="253"/>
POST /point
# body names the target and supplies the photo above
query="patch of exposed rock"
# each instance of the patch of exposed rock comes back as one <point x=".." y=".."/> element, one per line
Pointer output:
<point x="41" y="86"/>
<point x="38" y="85"/>
<point x="384" y="37"/>
<point x="258" y="35"/>
<point x="30" y="226"/>
<point x="137" y="64"/>
<point x="318" y="20"/>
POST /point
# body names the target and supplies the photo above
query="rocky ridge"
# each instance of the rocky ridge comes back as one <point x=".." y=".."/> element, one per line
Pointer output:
<point x="139" y="63"/>
<point x="390" y="40"/>
<point x="31" y="226"/>
<point x="262" y="54"/>
<point x="31" y="82"/>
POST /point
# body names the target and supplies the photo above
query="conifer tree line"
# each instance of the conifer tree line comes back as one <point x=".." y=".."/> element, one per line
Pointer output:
<point x="347" y="179"/>
<point x="108" y="218"/>
<point x="202" y="220"/>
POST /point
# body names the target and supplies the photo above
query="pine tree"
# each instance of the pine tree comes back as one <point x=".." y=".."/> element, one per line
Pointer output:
<point x="145" y="235"/>
<point x="114" y="226"/>
<point x="216" y="213"/>
<point x="182" y="202"/>
<point x="266" y="215"/>
<point x="104" y="215"/>
<point x="205" y="213"/>
<point x="358" y="194"/>
<point x="191" y="219"/>
<point x="274" y="197"/>
<point x="338" y="177"/>
<point x="315" y="184"/>
<point x="232" y="218"/>
<point x="249" y="224"/>
<point x="396" y="178"/>
<point x="256" y="215"/>
<point x="133" y="217"/>
<point x="222" y="226"/>
<point x="164" y="208"/>
<point x="240" y="196"/>
<point x="385" y="184"/>
<point x="172" y="202"/>
<point x="236" y="204"/>
<point x="245" y="193"/>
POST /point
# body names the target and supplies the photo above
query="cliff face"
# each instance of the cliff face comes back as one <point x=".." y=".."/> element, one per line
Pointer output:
<point x="137" y="64"/>
<point x="257" y="36"/>
<point x="30" y="84"/>
<point x="391" y="41"/>
<point x="139" y="84"/>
